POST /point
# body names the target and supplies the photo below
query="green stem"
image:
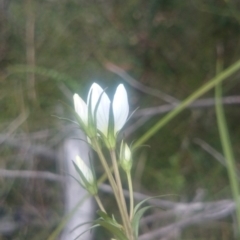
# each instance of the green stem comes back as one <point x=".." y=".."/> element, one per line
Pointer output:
<point x="130" y="187"/>
<point x="105" y="165"/>
<point x="120" y="190"/>
<point x="99" y="202"/>
<point x="206" y="87"/>
<point x="112" y="182"/>
<point x="227" y="149"/>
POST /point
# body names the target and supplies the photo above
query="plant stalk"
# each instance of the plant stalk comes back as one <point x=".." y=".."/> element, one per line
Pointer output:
<point x="99" y="202"/>
<point x="130" y="187"/>
<point x="198" y="93"/>
<point x="120" y="190"/>
<point x="227" y="147"/>
<point x="113" y="184"/>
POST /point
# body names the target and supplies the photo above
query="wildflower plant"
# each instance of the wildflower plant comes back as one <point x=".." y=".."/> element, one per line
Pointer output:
<point x="101" y="119"/>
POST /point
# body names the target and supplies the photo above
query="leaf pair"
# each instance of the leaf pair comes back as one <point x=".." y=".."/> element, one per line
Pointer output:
<point x="111" y="225"/>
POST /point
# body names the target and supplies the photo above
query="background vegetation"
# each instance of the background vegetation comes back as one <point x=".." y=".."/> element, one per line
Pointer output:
<point x="51" y="49"/>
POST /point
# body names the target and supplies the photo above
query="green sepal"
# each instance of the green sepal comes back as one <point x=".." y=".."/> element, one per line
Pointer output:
<point x="105" y="217"/>
<point x="79" y="120"/>
<point x="92" y="167"/>
<point x="81" y="175"/>
<point x="111" y="225"/>
<point x="111" y="136"/>
<point x="91" y="119"/>
<point x="97" y="105"/>
<point x="90" y="187"/>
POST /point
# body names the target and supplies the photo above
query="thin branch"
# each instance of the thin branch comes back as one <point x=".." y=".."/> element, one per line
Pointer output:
<point x="34" y="149"/>
<point x="31" y="174"/>
<point x="143" y="115"/>
<point x="139" y="86"/>
<point x="187" y="213"/>
<point x="166" y="204"/>
<point x="196" y="218"/>
<point x="201" y="103"/>
<point x="30" y="47"/>
<point x="214" y="153"/>
<point x="218" y="156"/>
<point x="194" y="213"/>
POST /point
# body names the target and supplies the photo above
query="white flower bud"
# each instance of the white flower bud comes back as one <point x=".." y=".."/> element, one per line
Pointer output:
<point x="125" y="157"/>
<point x="87" y="178"/>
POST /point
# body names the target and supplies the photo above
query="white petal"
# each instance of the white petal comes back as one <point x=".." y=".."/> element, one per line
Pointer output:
<point x="127" y="153"/>
<point x="103" y="107"/>
<point x="120" y="108"/>
<point x="81" y="108"/>
<point x="94" y="92"/>
<point x="84" y="169"/>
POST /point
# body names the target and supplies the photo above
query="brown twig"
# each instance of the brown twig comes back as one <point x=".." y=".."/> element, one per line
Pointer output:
<point x="139" y="86"/>
<point x="143" y="115"/>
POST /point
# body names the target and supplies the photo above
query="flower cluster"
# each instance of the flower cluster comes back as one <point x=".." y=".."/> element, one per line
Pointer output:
<point x="101" y="119"/>
<point x="101" y="116"/>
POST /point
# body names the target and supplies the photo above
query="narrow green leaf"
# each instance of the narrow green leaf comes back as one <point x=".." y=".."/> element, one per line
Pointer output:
<point x="104" y="215"/>
<point x="118" y="233"/>
<point x="228" y="151"/>
<point x="195" y="95"/>
<point x="94" y="226"/>
<point x="108" y="219"/>
<point x="136" y="219"/>
<point x="82" y="224"/>
<point x="143" y="201"/>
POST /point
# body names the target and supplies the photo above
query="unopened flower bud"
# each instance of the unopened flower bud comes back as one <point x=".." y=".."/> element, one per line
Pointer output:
<point x="125" y="157"/>
<point x="87" y="178"/>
